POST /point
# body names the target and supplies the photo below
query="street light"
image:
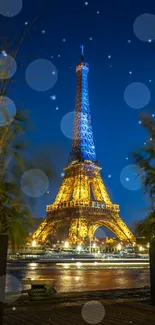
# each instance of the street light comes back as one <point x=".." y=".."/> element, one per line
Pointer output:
<point x="140" y="248"/>
<point x="34" y="243"/>
<point x="66" y="244"/>
<point x="119" y="247"/>
<point x="94" y="245"/>
<point x="79" y="248"/>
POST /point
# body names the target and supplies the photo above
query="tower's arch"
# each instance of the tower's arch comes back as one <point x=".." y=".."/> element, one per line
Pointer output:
<point x="48" y="228"/>
<point x="113" y="227"/>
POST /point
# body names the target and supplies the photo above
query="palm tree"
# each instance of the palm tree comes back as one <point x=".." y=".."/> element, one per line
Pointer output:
<point x="15" y="216"/>
<point x="15" y="206"/>
<point x="14" y="213"/>
<point x="145" y="160"/>
<point x="146" y="227"/>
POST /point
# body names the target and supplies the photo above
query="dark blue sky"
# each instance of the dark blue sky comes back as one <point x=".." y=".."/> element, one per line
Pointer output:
<point x="116" y="129"/>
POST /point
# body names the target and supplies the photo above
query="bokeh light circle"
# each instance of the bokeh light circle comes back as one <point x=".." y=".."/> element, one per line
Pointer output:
<point x="41" y="75"/>
<point x="10" y="8"/>
<point x="67" y="124"/>
<point x="34" y="183"/>
<point x="8" y="66"/>
<point x="137" y="95"/>
<point x="14" y="286"/>
<point x="144" y="27"/>
<point x="7" y="110"/>
<point x="93" y="312"/>
<point x="131" y="177"/>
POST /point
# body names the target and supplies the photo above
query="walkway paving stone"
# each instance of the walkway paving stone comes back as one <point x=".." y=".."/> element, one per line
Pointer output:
<point x="116" y="313"/>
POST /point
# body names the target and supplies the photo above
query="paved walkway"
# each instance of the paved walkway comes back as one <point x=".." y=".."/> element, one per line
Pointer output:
<point x="106" y="312"/>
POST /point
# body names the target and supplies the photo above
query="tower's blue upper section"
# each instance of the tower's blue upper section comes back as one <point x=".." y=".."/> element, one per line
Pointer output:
<point x="82" y="144"/>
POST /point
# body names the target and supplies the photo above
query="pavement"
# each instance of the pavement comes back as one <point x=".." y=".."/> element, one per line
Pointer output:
<point x="120" y="307"/>
<point x="92" y="312"/>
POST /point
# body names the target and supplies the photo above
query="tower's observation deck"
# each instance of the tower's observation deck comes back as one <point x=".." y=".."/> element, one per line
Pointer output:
<point x="82" y="200"/>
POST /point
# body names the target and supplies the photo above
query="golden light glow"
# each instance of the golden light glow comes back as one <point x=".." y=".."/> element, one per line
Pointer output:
<point x="141" y="248"/>
<point x="78" y="264"/>
<point x="66" y="244"/>
<point x="119" y="247"/>
<point x="83" y="191"/>
<point x="34" y="243"/>
<point x="82" y="181"/>
<point x="122" y="264"/>
<point x="79" y="248"/>
<point x="82" y="200"/>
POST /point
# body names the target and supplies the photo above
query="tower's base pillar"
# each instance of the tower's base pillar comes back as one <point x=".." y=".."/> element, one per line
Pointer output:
<point x="78" y="231"/>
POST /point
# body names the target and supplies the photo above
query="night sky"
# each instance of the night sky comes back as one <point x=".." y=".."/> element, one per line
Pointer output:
<point x="121" y="55"/>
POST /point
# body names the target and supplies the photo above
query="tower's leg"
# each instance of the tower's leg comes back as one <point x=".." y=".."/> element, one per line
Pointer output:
<point x="91" y="231"/>
<point x="78" y="231"/>
<point x="47" y="228"/>
<point x="122" y="228"/>
<point x="38" y="233"/>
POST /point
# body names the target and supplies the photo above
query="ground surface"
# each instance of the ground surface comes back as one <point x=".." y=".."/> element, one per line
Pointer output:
<point x="112" y="307"/>
<point x="116" y="312"/>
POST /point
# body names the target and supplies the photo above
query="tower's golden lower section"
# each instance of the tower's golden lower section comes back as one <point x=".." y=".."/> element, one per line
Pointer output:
<point x="83" y="203"/>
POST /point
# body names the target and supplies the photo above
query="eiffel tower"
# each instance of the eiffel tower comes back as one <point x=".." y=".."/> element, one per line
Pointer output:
<point x="82" y="200"/>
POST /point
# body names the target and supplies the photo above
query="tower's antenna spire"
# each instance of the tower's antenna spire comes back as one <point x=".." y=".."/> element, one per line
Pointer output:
<point x="82" y="52"/>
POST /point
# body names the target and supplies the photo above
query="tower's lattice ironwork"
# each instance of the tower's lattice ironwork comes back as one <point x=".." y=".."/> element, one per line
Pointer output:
<point x="82" y="200"/>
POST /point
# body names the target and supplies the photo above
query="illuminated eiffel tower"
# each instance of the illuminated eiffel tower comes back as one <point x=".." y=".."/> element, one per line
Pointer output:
<point x="82" y="200"/>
